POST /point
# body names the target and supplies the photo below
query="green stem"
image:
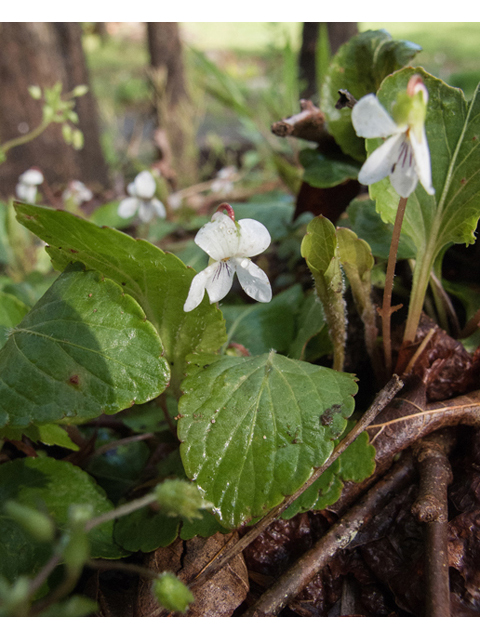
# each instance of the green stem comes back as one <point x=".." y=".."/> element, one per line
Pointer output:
<point x="387" y="294"/>
<point x="124" y="510"/>
<point x="421" y="278"/>
<point x="28" y="137"/>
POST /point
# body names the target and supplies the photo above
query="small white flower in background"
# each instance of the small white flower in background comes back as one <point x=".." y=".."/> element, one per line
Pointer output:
<point x="175" y="201"/>
<point x="405" y="155"/>
<point x="28" y="182"/>
<point x="142" y="190"/>
<point x="223" y="182"/>
<point x="230" y="246"/>
<point x="77" y="192"/>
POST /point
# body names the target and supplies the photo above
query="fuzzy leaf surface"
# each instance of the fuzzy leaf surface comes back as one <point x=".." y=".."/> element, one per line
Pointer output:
<point x="158" y="281"/>
<point x="253" y="429"/>
<point x="84" y="349"/>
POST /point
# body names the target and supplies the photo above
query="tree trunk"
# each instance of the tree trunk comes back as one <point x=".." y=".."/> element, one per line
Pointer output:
<point x="43" y="53"/>
<point x="166" y="53"/>
<point x="176" y="130"/>
<point x="338" y="33"/>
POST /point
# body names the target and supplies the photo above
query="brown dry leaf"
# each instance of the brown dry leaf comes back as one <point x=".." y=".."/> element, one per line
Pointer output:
<point x="464" y="553"/>
<point x="445" y="367"/>
<point x="219" y="597"/>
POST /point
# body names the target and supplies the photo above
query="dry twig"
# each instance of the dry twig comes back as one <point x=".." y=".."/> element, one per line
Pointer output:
<point x="431" y="507"/>
<point x="338" y="537"/>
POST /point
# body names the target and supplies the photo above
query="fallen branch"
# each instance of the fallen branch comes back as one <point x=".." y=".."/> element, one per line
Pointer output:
<point x="405" y="421"/>
<point x="309" y="124"/>
<point x="431" y="508"/>
<point x="338" y="537"/>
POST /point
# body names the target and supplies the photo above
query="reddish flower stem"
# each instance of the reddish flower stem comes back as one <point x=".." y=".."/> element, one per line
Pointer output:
<point x="387" y="310"/>
<point x="228" y="208"/>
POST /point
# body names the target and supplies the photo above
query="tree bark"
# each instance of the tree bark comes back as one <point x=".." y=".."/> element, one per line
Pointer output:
<point x="176" y="130"/>
<point x="338" y="34"/>
<point x="165" y="50"/>
<point x="43" y="53"/>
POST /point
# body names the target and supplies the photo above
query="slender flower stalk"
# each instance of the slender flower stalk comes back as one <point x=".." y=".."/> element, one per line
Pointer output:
<point x="387" y="309"/>
<point x="404" y="157"/>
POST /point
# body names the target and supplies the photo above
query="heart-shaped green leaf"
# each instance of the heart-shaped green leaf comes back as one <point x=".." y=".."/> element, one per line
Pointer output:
<point x="254" y="429"/>
<point x="158" y="281"/>
<point x="359" y="66"/>
<point x="84" y="349"/>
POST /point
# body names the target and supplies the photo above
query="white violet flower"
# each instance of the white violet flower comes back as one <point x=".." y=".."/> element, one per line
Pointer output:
<point x="223" y="183"/>
<point x="405" y="155"/>
<point x="142" y="191"/>
<point x="28" y="182"/>
<point x="77" y="192"/>
<point x="230" y="245"/>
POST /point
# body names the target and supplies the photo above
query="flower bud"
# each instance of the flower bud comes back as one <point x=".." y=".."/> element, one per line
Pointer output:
<point x="171" y="593"/>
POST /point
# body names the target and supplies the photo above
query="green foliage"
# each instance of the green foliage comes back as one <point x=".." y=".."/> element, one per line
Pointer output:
<point x="171" y="593"/>
<point x="120" y="468"/>
<point x="52" y="486"/>
<point x="85" y="349"/>
<point x="107" y="216"/>
<point x="324" y="172"/>
<point x="359" y="66"/>
<point x="146" y="530"/>
<point x="36" y="523"/>
<point x="357" y="261"/>
<point x="319" y="248"/>
<point x="310" y="322"/>
<point x="159" y="282"/>
<point x="453" y="132"/>
<point x="368" y="225"/>
<point x="74" y="607"/>
<point x="180" y="498"/>
<point x="12" y="311"/>
<point x="50" y="434"/>
<point x="254" y="428"/>
<point x="261" y="327"/>
<point x="451" y="215"/>
<point x="355" y="464"/>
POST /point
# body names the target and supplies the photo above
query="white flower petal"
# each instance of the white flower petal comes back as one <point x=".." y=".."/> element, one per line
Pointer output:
<point x="219" y="238"/>
<point x="371" y="120"/>
<point x="404" y="176"/>
<point x="158" y="208"/>
<point x="254" y="238"/>
<point x="131" y="190"/>
<point x="380" y="163"/>
<point x="421" y="154"/>
<point x="145" y="211"/>
<point x="26" y="192"/>
<point x="145" y="185"/>
<point x="128" y="207"/>
<point x="31" y="177"/>
<point x="197" y="290"/>
<point x="254" y="281"/>
<point x="220" y="281"/>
